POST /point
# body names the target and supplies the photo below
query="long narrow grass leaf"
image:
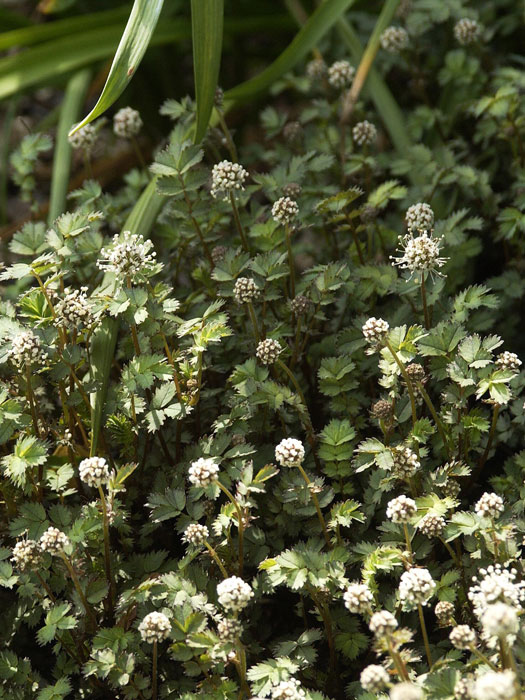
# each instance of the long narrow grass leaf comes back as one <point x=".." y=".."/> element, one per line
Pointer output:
<point x="207" y="27"/>
<point x="135" y="40"/>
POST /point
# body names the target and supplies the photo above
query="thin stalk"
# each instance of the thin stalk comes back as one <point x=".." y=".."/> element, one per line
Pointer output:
<point x="154" y="672"/>
<point x="315" y="501"/>
<point x="240" y="523"/>
<point x="107" y="555"/>
<point x="291" y="263"/>
<point x="46" y="587"/>
<point x="425" y="636"/>
<point x="245" y="690"/>
<point x="437" y="420"/>
<point x="485" y="455"/>
<point x="407" y="379"/>
<point x="424" y="302"/>
<point x="494" y="539"/>
<point x="407" y="541"/>
<point x="78" y="588"/>
<point x="31" y="399"/>
<point x="238" y="223"/>
<point x="398" y="663"/>
<point x="253" y="320"/>
<point x="227" y="135"/>
<point x="482" y="657"/>
<point x="216" y="558"/>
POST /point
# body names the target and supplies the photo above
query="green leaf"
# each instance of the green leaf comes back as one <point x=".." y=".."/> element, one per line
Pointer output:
<point x="207" y="27"/>
<point x="321" y="21"/>
<point x="135" y="40"/>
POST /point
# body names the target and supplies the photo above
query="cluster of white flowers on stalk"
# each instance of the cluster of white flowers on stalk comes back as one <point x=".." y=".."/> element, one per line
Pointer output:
<point x="245" y="289"/>
<point x="500" y="620"/>
<point x="462" y="637"/>
<point x="284" y="210"/>
<point x="227" y="178"/>
<point x="203" y="472"/>
<point x="382" y="623"/>
<point x="375" y="330"/>
<point x="406" y="691"/>
<point x="289" y="452"/>
<point x="432" y="525"/>
<point x="196" y="534"/>
<point x="444" y="612"/>
<point x="54" y="541"/>
<point x="394" y="39"/>
<point x="27" y="554"/>
<point x="416" y="587"/>
<point x="288" y="690"/>
<point x="84" y="138"/>
<point x="495" y="685"/>
<point x="316" y="69"/>
<point x="419" y="254"/>
<point x="341" y="74"/>
<point x="229" y="629"/>
<point x="406" y="462"/>
<point x="155" y="627"/>
<point x="374" y="678"/>
<point x="268" y="351"/>
<point x="364" y="133"/>
<point x="401" y="509"/>
<point x="74" y="309"/>
<point x="467" y="31"/>
<point x="94" y="471"/>
<point x="358" y="598"/>
<point x="509" y="360"/>
<point x="129" y="257"/>
<point x="496" y="584"/>
<point x="26" y="350"/>
<point x="234" y="594"/>
<point x="127" y="123"/>
<point x="490" y="505"/>
<point x="419" y="217"/>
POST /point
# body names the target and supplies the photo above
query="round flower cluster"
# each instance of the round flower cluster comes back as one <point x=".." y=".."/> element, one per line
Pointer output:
<point x="445" y="613"/>
<point x="375" y="329"/>
<point x="218" y="252"/>
<point x="129" y="257"/>
<point x="226" y="178"/>
<point x="364" y="133"/>
<point x="229" y="629"/>
<point x="462" y="637"/>
<point x="419" y="217"/>
<point x="406" y="462"/>
<point x="127" y="123"/>
<point x="288" y="690"/>
<point x="382" y="409"/>
<point x="155" y="627"/>
<point x="495" y="685"/>
<point x="54" y="541"/>
<point x="508" y="360"/>
<point x="406" y="691"/>
<point x="416" y="372"/>
<point x="203" y="472"/>
<point x="285" y="210"/>
<point x="490" y="505"/>
<point x="26" y="350"/>
<point x="394" y="39"/>
<point x="300" y="305"/>
<point x="83" y="138"/>
<point x="496" y="584"/>
<point x="316" y="69"/>
<point x="462" y="689"/>
<point x="292" y="189"/>
<point x="382" y="623"/>
<point x="74" y="310"/>
<point x="341" y="74"/>
<point x="245" y="289"/>
<point x="416" y="587"/>
<point x="358" y="598"/>
<point x="268" y="351"/>
<point x="431" y="525"/>
<point x="195" y="534"/>
<point x="27" y="554"/>
<point x="419" y="254"/>
<point x="94" y="471"/>
<point x="234" y="594"/>
<point x="401" y="509"/>
<point x="374" y="678"/>
<point x="467" y="31"/>
<point x="500" y="620"/>
<point x="289" y="452"/>
<point x="292" y="131"/>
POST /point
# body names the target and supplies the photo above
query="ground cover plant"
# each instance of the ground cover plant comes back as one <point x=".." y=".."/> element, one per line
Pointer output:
<point x="261" y="395"/>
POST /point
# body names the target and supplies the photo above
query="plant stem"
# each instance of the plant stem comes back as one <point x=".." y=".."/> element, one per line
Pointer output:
<point x="238" y="223"/>
<point x="425" y="636"/>
<point x="253" y="320"/>
<point x="227" y="135"/>
<point x="240" y="523"/>
<point x="437" y="420"/>
<point x="398" y="663"/>
<point x="315" y="501"/>
<point x="216" y="558"/>
<point x="154" y="672"/>
<point x="482" y="657"/>
<point x="485" y="455"/>
<point x="46" y="587"/>
<point x="407" y="541"/>
<point x="78" y="588"/>
<point x="407" y="379"/>
<point x="424" y="302"/>
<point x="291" y="264"/>
<point x="107" y="555"/>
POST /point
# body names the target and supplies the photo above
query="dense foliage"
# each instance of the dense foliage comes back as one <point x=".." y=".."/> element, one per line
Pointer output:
<point x="261" y="405"/>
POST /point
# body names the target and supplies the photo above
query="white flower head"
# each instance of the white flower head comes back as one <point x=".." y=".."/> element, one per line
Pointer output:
<point x="358" y="598"/>
<point x="285" y="210"/>
<point x="196" y="534"/>
<point x="27" y="554"/>
<point x="394" y="39"/>
<point x="289" y="452"/>
<point x="234" y="594"/>
<point x="375" y="330"/>
<point x="341" y="74"/>
<point x="374" y="678"/>
<point x="26" y="350"/>
<point x="364" y="133"/>
<point x="462" y="636"/>
<point x="490" y="505"/>
<point x="401" y="509"/>
<point x="84" y="138"/>
<point x="203" y="472"/>
<point x="94" y="471"/>
<point x="74" y="310"/>
<point x="288" y="690"/>
<point x="500" y="620"/>
<point x="130" y="257"/>
<point x="467" y="31"/>
<point x="416" y="587"/>
<point x="127" y="123"/>
<point x="155" y="627"/>
<point x="382" y="623"/>
<point x="495" y="685"/>
<point x="406" y="462"/>
<point x="419" y="254"/>
<point x="509" y="360"/>
<point x="227" y="178"/>
<point x="268" y="351"/>
<point x="432" y="525"/>
<point x="496" y="584"/>
<point x="406" y="691"/>
<point x="419" y="217"/>
<point x="54" y="541"/>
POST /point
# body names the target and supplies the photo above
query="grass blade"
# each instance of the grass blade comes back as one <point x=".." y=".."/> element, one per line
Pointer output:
<point x="104" y="342"/>
<point x="320" y="22"/>
<point x="69" y="112"/>
<point x="207" y="18"/>
<point x="135" y="40"/>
